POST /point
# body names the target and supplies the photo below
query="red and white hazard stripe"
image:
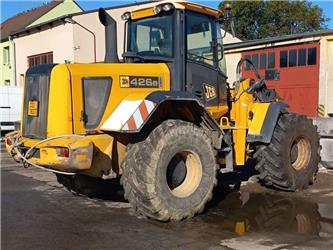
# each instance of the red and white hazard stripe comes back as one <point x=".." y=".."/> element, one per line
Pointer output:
<point x="129" y="115"/>
<point x="139" y="116"/>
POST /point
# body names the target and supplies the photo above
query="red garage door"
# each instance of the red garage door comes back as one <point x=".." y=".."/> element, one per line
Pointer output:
<point x="298" y="68"/>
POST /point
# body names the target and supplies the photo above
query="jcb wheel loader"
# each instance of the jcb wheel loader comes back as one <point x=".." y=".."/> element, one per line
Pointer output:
<point x="164" y="118"/>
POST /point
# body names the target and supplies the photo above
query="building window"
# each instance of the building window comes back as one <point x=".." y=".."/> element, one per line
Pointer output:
<point x="271" y="60"/>
<point x="263" y="59"/>
<point x="312" y="56"/>
<point x="6" y="56"/>
<point x="255" y="60"/>
<point x="7" y="82"/>
<point x="45" y="58"/>
<point x="283" y="59"/>
<point x="292" y="58"/>
<point x="301" y="57"/>
<point x="247" y="66"/>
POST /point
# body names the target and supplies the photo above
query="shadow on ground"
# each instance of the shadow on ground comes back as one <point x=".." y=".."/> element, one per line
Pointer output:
<point x="112" y="190"/>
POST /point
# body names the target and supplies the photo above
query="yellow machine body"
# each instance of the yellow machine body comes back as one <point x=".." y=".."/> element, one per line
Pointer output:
<point x="244" y="123"/>
<point x="64" y="117"/>
<point x="96" y="151"/>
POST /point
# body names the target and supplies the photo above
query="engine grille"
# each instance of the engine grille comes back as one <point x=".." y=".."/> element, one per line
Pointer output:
<point x="37" y="85"/>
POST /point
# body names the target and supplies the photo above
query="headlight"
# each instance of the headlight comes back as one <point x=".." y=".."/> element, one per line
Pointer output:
<point x="158" y="9"/>
<point x="164" y="7"/>
<point x="126" y="16"/>
<point x="167" y="7"/>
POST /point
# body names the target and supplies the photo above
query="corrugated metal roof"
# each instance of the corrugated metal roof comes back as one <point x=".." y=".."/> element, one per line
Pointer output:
<point x="278" y="39"/>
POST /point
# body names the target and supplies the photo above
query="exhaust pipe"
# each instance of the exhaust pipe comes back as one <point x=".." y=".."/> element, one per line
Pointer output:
<point x="111" y="51"/>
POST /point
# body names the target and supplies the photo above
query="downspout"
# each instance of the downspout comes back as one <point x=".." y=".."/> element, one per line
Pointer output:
<point x="14" y="59"/>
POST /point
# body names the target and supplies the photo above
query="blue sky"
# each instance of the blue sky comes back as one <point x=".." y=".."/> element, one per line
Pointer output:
<point x="13" y="7"/>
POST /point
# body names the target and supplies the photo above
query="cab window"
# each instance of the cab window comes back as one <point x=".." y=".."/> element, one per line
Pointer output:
<point x="96" y="91"/>
<point x="219" y="40"/>
<point x="152" y="36"/>
<point x="199" y="38"/>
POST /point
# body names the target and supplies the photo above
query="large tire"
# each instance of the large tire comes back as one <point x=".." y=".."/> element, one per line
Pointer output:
<point x="290" y="161"/>
<point x="171" y="174"/>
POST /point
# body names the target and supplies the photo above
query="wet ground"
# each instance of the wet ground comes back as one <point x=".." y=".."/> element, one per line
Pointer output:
<point x="38" y="213"/>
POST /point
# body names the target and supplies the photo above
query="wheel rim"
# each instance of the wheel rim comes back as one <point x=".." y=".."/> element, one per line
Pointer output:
<point x="300" y="153"/>
<point x="184" y="173"/>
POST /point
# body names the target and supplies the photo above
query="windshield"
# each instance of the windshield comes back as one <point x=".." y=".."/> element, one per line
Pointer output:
<point x="151" y="36"/>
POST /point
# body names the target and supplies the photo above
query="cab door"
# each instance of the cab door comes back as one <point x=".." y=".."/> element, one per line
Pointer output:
<point x="204" y="77"/>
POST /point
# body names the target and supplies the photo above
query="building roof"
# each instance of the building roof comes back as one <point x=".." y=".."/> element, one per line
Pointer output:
<point x="276" y="39"/>
<point x="23" y="19"/>
<point x="61" y="18"/>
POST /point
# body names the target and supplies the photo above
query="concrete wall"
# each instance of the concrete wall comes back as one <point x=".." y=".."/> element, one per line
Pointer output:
<point x="58" y="40"/>
<point x="83" y="40"/>
<point x="232" y="60"/>
<point x="7" y="70"/>
<point x="326" y="75"/>
<point x="83" y="45"/>
<point x="229" y="39"/>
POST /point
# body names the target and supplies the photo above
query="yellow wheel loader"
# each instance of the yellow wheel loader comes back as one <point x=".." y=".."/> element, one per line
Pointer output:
<point x="163" y="118"/>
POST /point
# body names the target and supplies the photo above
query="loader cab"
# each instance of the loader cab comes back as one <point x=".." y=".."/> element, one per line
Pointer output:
<point x="188" y="40"/>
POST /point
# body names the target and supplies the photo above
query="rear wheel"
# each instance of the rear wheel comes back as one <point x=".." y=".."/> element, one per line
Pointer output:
<point x="290" y="161"/>
<point x="171" y="174"/>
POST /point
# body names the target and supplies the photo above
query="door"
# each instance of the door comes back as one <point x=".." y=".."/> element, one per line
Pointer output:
<point x="203" y="77"/>
<point x="297" y="68"/>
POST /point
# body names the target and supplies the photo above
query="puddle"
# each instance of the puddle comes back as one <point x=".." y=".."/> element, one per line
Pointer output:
<point x="243" y="213"/>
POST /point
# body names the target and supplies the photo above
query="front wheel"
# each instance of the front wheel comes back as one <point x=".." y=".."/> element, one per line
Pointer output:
<point x="290" y="161"/>
<point x="171" y="174"/>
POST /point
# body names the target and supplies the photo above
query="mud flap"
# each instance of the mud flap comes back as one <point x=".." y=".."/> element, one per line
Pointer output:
<point x="267" y="127"/>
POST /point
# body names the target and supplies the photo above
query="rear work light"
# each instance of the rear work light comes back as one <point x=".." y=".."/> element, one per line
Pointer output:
<point x="62" y="152"/>
<point x="8" y="141"/>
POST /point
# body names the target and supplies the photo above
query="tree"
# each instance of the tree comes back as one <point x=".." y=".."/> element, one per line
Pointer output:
<point x="261" y="19"/>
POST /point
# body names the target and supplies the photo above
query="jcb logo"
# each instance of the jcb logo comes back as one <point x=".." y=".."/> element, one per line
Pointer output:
<point x="210" y="91"/>
<point x="124" y="82"/>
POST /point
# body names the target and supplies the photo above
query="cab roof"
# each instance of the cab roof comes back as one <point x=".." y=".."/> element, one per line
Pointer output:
<point x="178" y="4"/>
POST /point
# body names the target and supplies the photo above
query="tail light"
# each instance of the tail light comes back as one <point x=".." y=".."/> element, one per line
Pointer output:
<point x="62" y="152"/>
<point x="8" y="141"/>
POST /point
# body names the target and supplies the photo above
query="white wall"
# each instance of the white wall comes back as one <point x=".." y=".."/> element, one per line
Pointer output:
<point x="83" y="40"/>
<point x="326" y="74"/>
<point x="232" y="60"/>
<point x="229" y="39"/>
<point x="58" y="39"/>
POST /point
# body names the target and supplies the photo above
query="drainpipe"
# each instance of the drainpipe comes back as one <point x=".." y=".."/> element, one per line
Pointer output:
<point x="72" y="21"/>
<point x="14" y="59"/>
